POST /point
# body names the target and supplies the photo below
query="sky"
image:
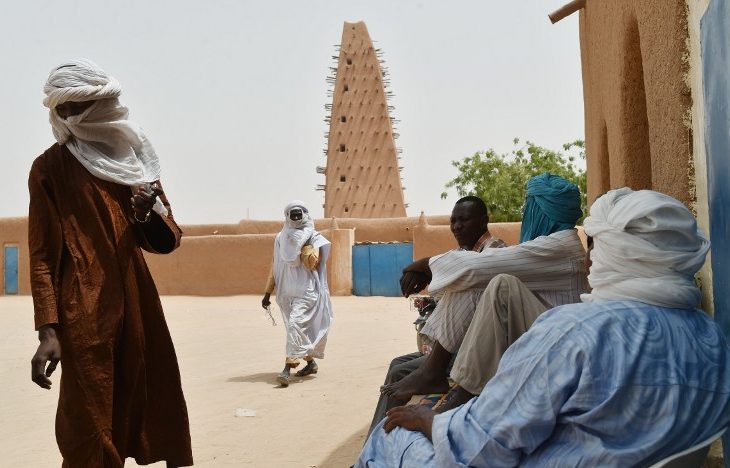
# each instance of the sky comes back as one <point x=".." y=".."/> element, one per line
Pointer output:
<point x="232" y="93"/>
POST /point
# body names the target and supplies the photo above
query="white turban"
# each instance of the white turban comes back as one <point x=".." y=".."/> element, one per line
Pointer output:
<point x="295" y="234"/>
<point x="101" y="138"/>
<point x="79" y="81"/>
<point x="647" y="248"/>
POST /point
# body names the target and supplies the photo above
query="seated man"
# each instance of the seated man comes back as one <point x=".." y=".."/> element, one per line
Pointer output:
<point x="630" y="376"/>
<point x="470" y="227"/>
<point x="545" y="270"/>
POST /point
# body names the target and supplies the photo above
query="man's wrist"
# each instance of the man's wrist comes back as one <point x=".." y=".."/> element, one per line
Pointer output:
<point x="47" y="332"/>
<point x="427" y="424"/>
<point x="420" y="266"/>
<point x="142" y="219"/>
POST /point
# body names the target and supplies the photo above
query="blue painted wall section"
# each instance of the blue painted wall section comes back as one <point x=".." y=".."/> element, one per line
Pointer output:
<point x="376" y="268"/>
<point x="715" y="36"/>
<point x="10" y="269"/>
<point x="361" y="270"/>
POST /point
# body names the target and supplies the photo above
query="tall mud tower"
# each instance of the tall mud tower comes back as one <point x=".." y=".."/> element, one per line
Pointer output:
<point x="362" y="173"/>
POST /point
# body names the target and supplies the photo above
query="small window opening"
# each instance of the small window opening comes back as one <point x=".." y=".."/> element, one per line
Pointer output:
<point x="349" y="61"/>
<point x="343" y="119"/>
<point x="347" y="88"/>
<point x="342" y="148"/>
<point x="343" y="178"/>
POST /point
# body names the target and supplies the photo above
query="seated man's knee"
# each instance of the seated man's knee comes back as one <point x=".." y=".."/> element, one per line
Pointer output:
<point x="503" y="281"/>
<point x="394" y="363"/>
<point x="400" y="368"/>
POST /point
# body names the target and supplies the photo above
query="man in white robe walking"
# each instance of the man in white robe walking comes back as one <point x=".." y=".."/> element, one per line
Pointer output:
<point x="299" y="275"/>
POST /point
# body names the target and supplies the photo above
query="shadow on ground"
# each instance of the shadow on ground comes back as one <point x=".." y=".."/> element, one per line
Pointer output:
<point x="267" y="377"/>
<point x="347" y="452"/>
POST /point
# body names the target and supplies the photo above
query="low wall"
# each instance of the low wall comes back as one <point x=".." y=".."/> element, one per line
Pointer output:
<point x="223" y="265"/>
<point x="366" y="230"/>
<point x="226" y="264"/>
<point x="387" y="229"/>
<point x="192" y="230"/>
<point x="214" y="266"/>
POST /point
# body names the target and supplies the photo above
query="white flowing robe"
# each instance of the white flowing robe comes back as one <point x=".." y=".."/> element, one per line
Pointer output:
<point x="303" y="295"/>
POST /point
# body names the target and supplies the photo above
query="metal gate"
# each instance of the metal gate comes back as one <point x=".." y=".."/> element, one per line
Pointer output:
<point x="10" y="269"/>
<point x="376" y="268"/>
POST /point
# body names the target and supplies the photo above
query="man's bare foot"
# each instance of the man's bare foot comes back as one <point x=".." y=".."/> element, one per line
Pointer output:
<point x="456" y="397"/>
<point x="417" y="382"/>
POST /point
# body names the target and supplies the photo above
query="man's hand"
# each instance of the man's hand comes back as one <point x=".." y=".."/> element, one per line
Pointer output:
<point x="416" y="277"/>
<point x="413" y="282"/>
<point x="410" y="417"/>
<point x="266" y="301"/>
<point x="48" y="350"/>
<point x="143" y="201"/>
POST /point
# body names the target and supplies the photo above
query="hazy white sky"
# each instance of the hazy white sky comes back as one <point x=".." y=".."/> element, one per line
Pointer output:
<point x="232" y="93"/>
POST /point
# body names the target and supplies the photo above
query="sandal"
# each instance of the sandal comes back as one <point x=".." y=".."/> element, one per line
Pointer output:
<point x="456" y="397"/>
<point x="308" y="370"/>
<point x="283" y="379"/>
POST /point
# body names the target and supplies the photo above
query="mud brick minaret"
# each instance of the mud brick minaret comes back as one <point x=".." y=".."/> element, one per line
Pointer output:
<point x="362" y="173"/>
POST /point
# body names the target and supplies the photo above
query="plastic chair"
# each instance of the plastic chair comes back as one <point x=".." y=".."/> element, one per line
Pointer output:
<point x="693" y="457"/>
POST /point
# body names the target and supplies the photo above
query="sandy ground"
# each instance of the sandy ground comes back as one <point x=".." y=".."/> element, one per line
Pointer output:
<point x="229" y="355"/>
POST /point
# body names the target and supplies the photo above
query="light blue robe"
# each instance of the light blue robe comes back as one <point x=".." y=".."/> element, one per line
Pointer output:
<point x="617" y="383"/>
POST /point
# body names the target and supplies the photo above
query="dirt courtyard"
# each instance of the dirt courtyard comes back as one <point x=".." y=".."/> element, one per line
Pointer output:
<point x="229" y="355"/>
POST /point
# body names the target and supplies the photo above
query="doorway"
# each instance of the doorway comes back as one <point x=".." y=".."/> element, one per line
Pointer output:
<point x="10" y="269"/>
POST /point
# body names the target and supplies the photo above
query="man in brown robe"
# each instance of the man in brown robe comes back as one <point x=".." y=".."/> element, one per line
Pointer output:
<point x="93" y="208"/>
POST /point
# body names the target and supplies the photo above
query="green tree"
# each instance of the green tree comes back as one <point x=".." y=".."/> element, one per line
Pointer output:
<point x="501" y="179"/>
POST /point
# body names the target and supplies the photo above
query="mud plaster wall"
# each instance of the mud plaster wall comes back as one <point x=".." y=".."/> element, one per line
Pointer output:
<point x="637" y="103"/>
<point x="225" y="264"/>
<point x="366" y="230"/>
<point x="695" y="11"/>
<point x="214" y="265"/>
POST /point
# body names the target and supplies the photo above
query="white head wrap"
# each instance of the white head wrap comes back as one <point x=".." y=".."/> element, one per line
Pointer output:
<point x="647" y="248"/>
<point x="295" y="234"/>
<point x="101" y="138"/>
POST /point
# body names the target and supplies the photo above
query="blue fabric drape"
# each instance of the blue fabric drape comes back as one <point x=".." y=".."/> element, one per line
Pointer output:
<point x="552" y="204"/>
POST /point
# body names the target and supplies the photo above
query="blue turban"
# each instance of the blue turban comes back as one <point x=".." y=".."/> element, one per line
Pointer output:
<point x="552" y="204"/>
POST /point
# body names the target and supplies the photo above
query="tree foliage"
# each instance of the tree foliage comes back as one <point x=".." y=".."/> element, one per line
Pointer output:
<point x="501" y="179"/>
